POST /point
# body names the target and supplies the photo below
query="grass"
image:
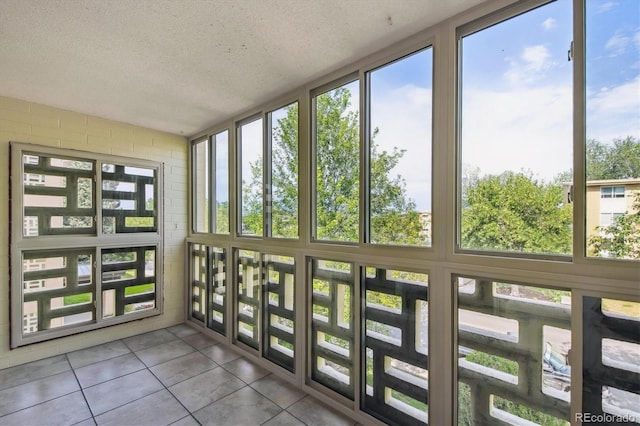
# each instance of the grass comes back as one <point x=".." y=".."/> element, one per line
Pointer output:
<point x="631" y="309"/>
<point x="137" y="289"/>
<point x="77" y="299"/>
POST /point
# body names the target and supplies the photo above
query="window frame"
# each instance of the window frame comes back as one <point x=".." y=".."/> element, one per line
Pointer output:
<point x="442" y="261"/>
<point x="349" y="78"/>
<point x="194" y="180"/>
<point x="471" y="27"/>
<point x="365" y="145"/>
<point x="238" y="175"/>
<point x="613" y="191"/>
<point x="92" y="242"/>
<point x="268" y="172"/>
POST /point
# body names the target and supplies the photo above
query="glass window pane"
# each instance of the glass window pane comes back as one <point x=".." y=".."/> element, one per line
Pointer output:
<point x="128" y="280"/>
<point x="395" y="371"/>
<point x="515" y="134"/>
<point x="58" y="196"/>
<point x="400" y="96"/>
<point x="251" y="172"/>
<point x="221" y="146"/>
<point x="128" y="199"/>
<point x="332" y="336"/>
<point x="284" y="171"/>
<point x="279" y="311"/>
<point x="612" y="129"/>
<point x="58" y="289"/>
<point x="514" y="341"/>
<point x="611" y="356"/>
<point x="248" y="297"/>
<point x="201" y="186"/>
<point x="337" y="164"/>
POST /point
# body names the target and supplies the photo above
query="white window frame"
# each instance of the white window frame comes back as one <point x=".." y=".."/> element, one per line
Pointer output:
<point x="21" y="244"/>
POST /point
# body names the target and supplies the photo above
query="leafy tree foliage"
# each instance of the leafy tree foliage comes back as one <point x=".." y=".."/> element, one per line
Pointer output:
<point x="621" y="160"/>
<point x="621" y="239"/>
<point x="515" y="212"/>
<point x="393" y="215"/>
<point x="284" y="176"/>
<point x="337" y="167"/>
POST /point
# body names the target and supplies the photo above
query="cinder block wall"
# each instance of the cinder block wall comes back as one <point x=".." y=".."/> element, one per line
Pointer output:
<point x="29" y="122"/>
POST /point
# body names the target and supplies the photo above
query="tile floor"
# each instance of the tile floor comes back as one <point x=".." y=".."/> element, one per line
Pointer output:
<point x="175" y="376"/>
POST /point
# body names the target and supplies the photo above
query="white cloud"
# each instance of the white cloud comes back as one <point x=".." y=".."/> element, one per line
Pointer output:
<point x="521" y="129"/>
<point x="617" y="44"/>
<point x="533" y="62"/>
<point x="403" y="116"/>
<point x="607" y="6"/>
<point x="614" y="112"/>
<point x="549" y="23"/>
<point x="536" y="56"/>
<point x="531" y="128"/>
<point x="636" y="39"/>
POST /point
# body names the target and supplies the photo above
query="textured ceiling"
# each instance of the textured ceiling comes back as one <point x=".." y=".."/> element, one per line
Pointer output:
<point x="183" y="65"/>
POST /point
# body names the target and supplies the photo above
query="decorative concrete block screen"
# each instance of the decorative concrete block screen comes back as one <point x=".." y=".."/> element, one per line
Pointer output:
<point x="513" y="346"/>
<point x="279" y="312"/>
<point x="395" y="346"/>
<point x="610" y="360"/>
<point x="332" y="335"/>
<point x="68" y="274"/>
<point x="208" y="286"/>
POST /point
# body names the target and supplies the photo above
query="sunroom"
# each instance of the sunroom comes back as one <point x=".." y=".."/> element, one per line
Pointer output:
<point x="289" y="212"/>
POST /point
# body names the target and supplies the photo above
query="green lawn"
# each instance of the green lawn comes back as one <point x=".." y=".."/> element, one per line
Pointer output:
<point x="137" y="289"/>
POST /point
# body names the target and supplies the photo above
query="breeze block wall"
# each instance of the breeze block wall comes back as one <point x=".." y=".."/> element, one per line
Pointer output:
<point x="29" y="122"/>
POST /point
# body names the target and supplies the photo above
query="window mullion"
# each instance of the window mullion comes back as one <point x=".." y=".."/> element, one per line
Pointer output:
<point x="267" y="190"/>
<point x="212" y="193"/>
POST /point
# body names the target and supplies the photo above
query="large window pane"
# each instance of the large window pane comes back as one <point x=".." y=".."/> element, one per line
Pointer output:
<point x="515" y="134"/>
<point x="611" y="356"/>
<point x="283" y="127"/>
<point x="251" y="173"/>
<point x="58" y="289"/>
<point x="128" y="199"/>
<point x="279" y="310"/>
<point x="128" y="280"/>
<point x="58" y="196"/>
<point x="220" y="143"/>
<point x="332" y="336"/>
<point x="400" y="96"/>
<point x="201" y="186"/>
<point x="613" y="129"/>
<point x="513" y="353"/>
<point x="337" y="165"/>
<point x="395" y="335"/>
<point x="248" y="297"/>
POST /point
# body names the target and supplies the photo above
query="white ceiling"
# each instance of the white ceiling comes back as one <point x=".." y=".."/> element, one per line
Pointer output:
<point x="183" y="65"/>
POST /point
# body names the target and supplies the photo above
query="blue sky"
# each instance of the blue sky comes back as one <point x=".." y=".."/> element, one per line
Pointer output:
<point x="517" y="111"/>
<point x="517" y="88"/>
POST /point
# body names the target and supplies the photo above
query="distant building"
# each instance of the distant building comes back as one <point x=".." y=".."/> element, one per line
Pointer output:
<point x="425" y="225"/>
<point x="608" y="199"/>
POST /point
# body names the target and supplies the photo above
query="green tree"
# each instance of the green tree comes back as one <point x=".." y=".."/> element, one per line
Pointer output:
<point x="222" y="217"/>
<point x="620" y="160"/>
<point x="284" y="175"/>
<point x="621" y="239"/>
<point x="515" y="212"/>
<point x="393" y="214"/>
<point x="337" y="167"/>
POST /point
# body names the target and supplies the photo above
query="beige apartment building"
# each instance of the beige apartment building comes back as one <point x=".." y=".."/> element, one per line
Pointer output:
<point x="608" y="199"/>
